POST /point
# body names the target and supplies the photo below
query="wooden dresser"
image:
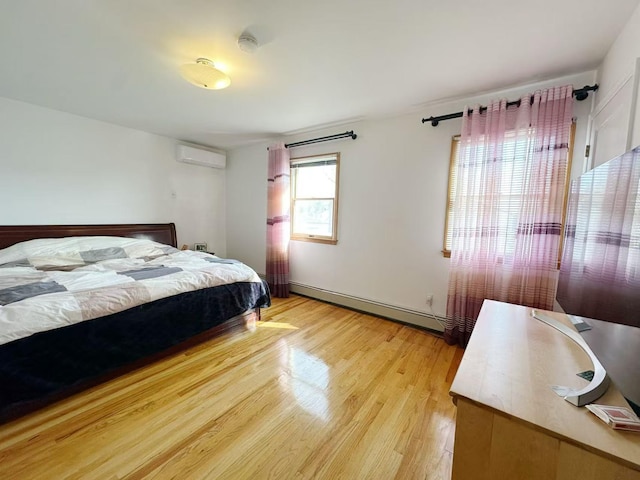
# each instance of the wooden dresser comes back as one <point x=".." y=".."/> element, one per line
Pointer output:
<point x="510" y="424"/>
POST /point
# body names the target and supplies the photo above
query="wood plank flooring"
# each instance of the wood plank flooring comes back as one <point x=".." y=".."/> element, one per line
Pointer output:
<point x="313" y="392"/>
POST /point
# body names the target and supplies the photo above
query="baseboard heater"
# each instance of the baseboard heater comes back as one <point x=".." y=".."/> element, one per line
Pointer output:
<point x="401" y="314"/>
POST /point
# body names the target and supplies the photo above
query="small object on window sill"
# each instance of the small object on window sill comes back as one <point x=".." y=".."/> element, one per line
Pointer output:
<point x="619" y="418"/>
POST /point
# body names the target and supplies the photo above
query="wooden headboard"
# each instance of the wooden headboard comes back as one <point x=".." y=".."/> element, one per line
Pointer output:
<point x="158" y="232"/>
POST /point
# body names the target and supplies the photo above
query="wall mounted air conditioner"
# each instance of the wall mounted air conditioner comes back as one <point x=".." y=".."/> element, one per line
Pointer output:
<point x="197" y="156"/>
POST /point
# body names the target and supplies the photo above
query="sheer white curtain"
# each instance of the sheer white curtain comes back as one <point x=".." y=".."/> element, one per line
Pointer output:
<point x="507" y="211"/>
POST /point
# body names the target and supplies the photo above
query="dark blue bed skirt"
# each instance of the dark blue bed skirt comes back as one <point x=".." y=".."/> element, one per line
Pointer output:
<point x="43" y="365"/>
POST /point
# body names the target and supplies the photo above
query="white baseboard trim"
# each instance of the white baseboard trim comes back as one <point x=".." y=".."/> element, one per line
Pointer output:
<point x="400" y="314"/>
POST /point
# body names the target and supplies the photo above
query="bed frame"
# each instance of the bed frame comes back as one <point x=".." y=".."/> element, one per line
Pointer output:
<point x="159" y="232"/>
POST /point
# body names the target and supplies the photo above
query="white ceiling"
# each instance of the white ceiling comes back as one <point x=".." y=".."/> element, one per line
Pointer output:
<point x="321" y="61"/>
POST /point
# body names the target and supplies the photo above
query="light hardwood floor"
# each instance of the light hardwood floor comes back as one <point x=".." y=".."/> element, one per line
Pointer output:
<point x="314" y="391"/>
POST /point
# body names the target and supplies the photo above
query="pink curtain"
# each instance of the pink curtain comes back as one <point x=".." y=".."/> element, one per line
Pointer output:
<point x="278" y="225"/>
<point x="507" y="212"/>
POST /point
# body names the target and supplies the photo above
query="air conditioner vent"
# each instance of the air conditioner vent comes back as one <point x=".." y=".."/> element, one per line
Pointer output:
<point x="198" y="156"/>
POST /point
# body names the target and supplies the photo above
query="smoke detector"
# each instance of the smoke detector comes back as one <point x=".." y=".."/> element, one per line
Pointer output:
<point x="248" y="43"/>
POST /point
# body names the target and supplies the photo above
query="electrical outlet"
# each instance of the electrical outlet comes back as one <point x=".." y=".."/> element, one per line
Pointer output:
<point x="429" y="300"/>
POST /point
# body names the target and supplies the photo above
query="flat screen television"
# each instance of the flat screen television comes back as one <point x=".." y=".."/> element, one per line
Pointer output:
<point x="600" y="268"/>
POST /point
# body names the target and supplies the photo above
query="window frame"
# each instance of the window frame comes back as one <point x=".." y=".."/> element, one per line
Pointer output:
<point x="304" y="237"/>
<point x="453" y="155"/>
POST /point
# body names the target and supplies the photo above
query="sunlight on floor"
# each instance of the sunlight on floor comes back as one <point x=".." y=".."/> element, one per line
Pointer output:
<point x="310" y="379"/>
<point x="307" y="378"/>
<point x="286" y="326"/>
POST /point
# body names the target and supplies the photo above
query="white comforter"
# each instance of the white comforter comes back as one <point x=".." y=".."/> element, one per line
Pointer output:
<point x="48" y="284"/>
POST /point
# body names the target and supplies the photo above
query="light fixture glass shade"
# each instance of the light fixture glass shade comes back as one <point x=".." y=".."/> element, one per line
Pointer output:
<point x="204" y="74"/>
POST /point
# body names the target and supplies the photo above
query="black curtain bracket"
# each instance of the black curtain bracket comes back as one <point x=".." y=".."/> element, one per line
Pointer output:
<point x="580" y="94"/>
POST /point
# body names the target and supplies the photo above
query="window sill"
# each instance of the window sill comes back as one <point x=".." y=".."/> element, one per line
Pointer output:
<point x="327" y="241"/>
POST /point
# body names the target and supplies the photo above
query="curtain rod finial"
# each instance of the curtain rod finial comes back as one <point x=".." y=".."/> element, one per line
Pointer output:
<point x="432" y="119"/>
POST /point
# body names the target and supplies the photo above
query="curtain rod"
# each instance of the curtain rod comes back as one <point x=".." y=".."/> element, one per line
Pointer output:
<point x="322" y="139"/>
<point x="580" y="94"/>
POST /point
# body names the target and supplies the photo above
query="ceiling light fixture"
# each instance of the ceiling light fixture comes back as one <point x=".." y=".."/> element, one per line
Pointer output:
<point x="248" y="43"/>
<point x="204" y="74"/>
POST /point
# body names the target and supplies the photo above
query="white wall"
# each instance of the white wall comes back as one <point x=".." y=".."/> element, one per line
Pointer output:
<point x="393" y="181"/>
<point x="247" y="205"/>
<point x="620" y="59"/>
<point x="619" y="64"/>
<point x="58" y="168"/>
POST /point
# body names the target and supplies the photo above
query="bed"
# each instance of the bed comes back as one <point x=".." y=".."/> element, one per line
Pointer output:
<point x="80" y="304"/>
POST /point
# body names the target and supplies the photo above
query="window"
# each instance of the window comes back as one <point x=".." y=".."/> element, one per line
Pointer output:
<point x="314" y="198"/>
<point x="451" y="193"/>
<point x="512" y="179"/>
